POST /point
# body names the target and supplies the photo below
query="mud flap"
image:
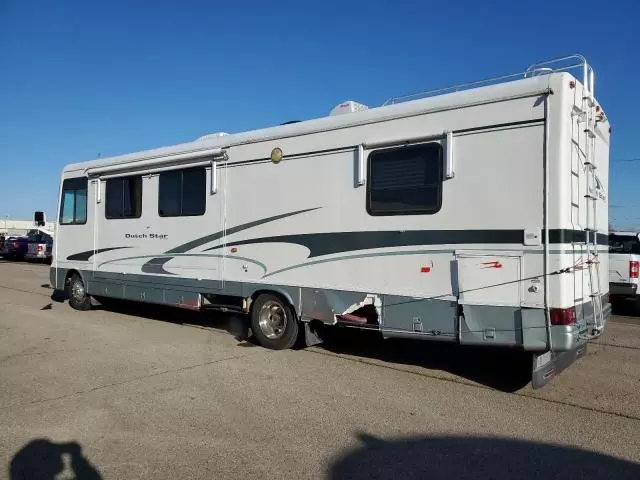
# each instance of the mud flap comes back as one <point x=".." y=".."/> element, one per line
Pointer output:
<point x="550" y="364"/>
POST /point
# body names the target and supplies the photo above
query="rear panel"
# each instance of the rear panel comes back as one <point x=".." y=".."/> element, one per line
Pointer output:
<point x="579" y="176"/>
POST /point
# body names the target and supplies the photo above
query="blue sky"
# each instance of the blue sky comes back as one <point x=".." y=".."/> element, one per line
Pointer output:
<point x="82" y="78"/>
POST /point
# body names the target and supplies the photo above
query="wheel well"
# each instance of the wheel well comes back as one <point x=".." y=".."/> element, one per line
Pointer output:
<point x="70" y="274"/>
<point x="285" y="298"/>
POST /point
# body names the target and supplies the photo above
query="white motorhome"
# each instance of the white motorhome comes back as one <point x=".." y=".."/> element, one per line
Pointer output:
<point x="475" y="215"/>
<point x="624" y="266"/>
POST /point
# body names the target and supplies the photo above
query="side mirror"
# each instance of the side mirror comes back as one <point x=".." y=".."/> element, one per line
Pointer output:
<point x="40" y="219"/>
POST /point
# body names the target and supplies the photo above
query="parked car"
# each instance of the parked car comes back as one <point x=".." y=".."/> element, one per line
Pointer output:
<point x="14" y="247"/>
<point x="624" y="266"/>
<point x="40" y="246"/>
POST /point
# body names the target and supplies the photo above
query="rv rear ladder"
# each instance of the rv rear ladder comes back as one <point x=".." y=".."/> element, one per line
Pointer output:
<point x="591" y="228"/>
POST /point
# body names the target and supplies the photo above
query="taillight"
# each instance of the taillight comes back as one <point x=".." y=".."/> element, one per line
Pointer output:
<point x="39" y="248"/>
<point x="634" y="269"/>
<point x="563" y="316"/>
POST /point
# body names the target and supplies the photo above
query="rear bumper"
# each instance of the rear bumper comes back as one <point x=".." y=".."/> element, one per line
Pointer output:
<point x="34" y="256"/>
<point x="569" y="343"/>
<point x="550" y="364"/>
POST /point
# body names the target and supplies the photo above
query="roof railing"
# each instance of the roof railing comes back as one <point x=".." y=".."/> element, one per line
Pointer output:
<point x="561" y="64"/>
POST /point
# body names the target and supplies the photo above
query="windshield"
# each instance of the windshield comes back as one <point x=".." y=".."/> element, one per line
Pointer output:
<point x="624" y="244"/>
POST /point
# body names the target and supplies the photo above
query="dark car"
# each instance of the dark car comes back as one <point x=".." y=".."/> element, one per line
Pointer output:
<point x="14" y="248"/>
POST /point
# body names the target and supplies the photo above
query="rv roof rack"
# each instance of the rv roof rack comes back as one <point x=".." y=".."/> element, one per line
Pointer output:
<point x="561" y="64"/>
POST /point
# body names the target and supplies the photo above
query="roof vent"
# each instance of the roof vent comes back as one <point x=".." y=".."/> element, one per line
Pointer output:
<point x="348" y="107"/>
<point x="212" y="135"/>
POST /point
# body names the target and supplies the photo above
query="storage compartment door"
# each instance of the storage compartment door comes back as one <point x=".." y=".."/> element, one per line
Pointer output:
<point x="489" y="279"/>
<point x="489" y="292"/>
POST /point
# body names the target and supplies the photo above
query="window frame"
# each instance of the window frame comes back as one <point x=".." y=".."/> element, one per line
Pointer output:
<point x="430" y="211"/>
<point x="85" y="182"/>
<point x="181" y="197"/>
<point x="138" y="179"/>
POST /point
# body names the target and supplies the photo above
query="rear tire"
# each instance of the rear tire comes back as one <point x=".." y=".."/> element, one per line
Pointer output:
<point x="273" y="322"/>
<point x="78" y="298"/>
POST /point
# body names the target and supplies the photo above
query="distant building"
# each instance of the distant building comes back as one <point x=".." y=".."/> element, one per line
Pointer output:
<point x="19" y="227"/>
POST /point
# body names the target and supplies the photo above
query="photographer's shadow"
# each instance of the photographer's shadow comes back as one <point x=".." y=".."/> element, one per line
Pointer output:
<point x="43" y="459"/>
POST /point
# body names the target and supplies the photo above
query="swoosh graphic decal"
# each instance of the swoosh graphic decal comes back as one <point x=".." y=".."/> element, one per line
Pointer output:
<point x="156" y="265"/>
<point x="232" y="257"/>
<point x="320" y="244"/>
<point x="362" y="255"/>
<point x="85" y="256"/>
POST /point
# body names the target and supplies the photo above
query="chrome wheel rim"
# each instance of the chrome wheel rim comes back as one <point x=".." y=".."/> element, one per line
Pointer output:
<point x="77" y="290"/>
<point x="272" y="320"/>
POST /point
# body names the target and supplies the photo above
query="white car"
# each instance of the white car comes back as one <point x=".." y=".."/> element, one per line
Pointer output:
<point x="624" y="266"/>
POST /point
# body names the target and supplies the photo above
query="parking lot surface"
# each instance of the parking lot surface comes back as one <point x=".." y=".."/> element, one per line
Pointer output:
<point x="142" y="392"/>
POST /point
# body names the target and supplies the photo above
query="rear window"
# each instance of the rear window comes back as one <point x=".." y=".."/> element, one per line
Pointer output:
<point x="624" y="244"/>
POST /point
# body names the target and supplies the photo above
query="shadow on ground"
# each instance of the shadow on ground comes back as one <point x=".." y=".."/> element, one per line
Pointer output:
<point x="502" y="369"/>
<point x="626" y="308"/>
<point x="44" y="460"/>
<point x="458" y="458"/>
<point x="498" y="368"/>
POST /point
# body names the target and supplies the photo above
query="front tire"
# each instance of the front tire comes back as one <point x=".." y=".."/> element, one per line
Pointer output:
<point x="78" y="298"/>
<point x="273" y="322"/>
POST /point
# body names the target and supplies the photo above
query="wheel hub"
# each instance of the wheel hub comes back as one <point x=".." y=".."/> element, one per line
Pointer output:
<point x="272" y="320"/>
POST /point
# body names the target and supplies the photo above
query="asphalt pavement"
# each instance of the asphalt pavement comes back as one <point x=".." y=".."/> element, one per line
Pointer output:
<point x="142" y="392"/>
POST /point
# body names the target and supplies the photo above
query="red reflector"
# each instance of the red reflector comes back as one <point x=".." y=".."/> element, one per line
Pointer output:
<point x="597" y="108"/>
<point x="425" y="269"/>
<point x="563" y="316"/>
<point x="634" y="269"/>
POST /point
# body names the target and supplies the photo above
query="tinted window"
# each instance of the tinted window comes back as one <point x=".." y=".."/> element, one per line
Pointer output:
<point x="405" y="181"/>
<point x="182" y="192"/>
<point x="624" y="244"/>
<point x="123" y="198"/>
<point x="194" y="186"/>
<point x="73" y="207"/>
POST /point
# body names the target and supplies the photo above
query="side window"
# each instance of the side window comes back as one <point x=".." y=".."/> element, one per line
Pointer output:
<point x="182" y="193"/>
<point x="405" y="180"/>
<point x="123" y="197"/>
<point x="73" y="207"/>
